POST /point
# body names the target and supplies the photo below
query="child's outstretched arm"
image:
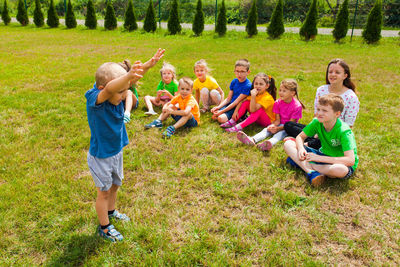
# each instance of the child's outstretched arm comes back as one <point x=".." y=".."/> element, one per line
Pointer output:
<point x="153" y="61"/>
<point x="121" y="84"/>
<point x="348" y="159"/>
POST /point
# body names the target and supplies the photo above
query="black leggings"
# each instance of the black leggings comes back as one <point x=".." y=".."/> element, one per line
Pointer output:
<point x="293" y="129"/>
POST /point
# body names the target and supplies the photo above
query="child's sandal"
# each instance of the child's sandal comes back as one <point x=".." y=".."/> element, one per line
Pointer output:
<point x="228" y="124"/>
<point x="233" y="129"/>
<point x="119" y="216"/>
<point x="111" y="235"/>
<point x="245" y="139"/>
<point x="265" y="146"/>
<point x="169" y="132"/>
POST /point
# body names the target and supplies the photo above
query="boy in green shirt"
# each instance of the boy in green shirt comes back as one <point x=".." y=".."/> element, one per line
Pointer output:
<point x="337" y="157"/>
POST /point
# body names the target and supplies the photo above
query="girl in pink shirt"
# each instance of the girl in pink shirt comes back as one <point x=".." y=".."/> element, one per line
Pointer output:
<point x="287" y="108"/>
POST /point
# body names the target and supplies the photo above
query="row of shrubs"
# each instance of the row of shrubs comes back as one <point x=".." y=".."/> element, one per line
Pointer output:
<point x="275" y="29"/>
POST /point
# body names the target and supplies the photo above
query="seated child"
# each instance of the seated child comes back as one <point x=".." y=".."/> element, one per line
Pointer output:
<point x="337" y="157"/>
<point x="166" y="89"/>
<point x="286" y="108"/>
<point x="206" y="87"/>
<point x="132" y="98"/>
<point x="259" y="105"/>
<point x="105" y="113"/>
<point x="183" y="108"/>
<point x="239" y="90"/>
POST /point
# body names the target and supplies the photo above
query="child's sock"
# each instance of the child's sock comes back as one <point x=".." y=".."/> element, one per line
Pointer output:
<point x="236" y="128"/>
<point x="110" y="212"/>
<point x="104" y="226"/>
<point x="229" y="123"/>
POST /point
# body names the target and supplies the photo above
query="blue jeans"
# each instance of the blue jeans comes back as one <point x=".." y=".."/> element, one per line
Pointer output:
<point x="189" y="124"/>
<point x="318" y="152"/>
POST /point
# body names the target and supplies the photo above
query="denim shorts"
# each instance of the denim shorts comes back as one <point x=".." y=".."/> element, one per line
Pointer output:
<point x="229" y="113"/>
<point x="189" y="124"/>
<point x="318" y="152"/>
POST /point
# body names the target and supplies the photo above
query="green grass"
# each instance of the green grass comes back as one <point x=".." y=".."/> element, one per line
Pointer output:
<point x="200" y="198"/>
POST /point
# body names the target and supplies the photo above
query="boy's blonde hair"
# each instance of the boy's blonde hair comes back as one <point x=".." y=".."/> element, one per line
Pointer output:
<point x="243" y="63"/>
<point x="168" y="66"/>
<point x="203" y="63"/>
<point x="108" y="72"/>
<point x="333" y="100"/>
<point x="186" y="80"/>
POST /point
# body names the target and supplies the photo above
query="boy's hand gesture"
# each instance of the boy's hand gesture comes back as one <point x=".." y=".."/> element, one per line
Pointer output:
<point x="157" y="56"/>
<point x="136" y="72"/>
<point x="302" y="153"/>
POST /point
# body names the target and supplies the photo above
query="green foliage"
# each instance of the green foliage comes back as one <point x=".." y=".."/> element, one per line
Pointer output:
<point x="150" y="24"/>
<point x="110" y="20"/>
<point x="309" y="28"/>
<point x="130" y="23"/>
<point x="5" y="16"/>
<point x="90" y="20"/>
<point x="22" y="15"/>
<point x="342" y="22"/>
<point x="52" y="17"/>
<point x="198" y="23"/>
<point x="221" y="20"/>
<point x="70" y="20"/>
<point x="251" y="25"/>
<point x="372" y="31"/>
<point x="174" y="26"/>
<point x="276" y="28"/>
<point x="38" y="17"/>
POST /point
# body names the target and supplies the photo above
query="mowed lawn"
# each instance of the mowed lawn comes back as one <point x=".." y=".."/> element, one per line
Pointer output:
<point x="200" y="198"/>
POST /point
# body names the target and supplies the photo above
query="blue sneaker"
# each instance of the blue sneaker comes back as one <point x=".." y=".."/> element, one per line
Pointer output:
<point x="154" y="124"/>
<point x="315" y="178"/>
<point x="119" y="216"/>
<point x="292" y="163"/>
<point x="169" y="132"/>
<point x="111" y="235"/>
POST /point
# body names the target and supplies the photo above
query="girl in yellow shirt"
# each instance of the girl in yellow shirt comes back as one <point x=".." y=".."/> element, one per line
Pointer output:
<point x="259" y="104"/>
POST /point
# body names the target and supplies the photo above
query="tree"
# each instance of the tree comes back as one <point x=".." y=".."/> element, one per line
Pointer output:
<point x="198" y="23"/>
<point x="150" y="24"/>
<point x="342" y="22"/>
<point x="130" y="23"/>
<point x="110" y="20"/>
<point x="372" y="31"/>
<point x="309" y="28"/>
<point x="276" y="28"/>
<point x="22" y="15"/>
<point x="38" y="17"/>
<point x="90" y="20"/>
<point x="174" y="26"/>
<point x="221" y="20"/>
<point x="251" y="25"/>
<point x="5" y="16"/>
<point x="52" y="17"/>
<point x="70" y="20"/>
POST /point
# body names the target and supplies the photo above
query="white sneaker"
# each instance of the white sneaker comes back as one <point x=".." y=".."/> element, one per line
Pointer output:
<point x="150" y="113"/>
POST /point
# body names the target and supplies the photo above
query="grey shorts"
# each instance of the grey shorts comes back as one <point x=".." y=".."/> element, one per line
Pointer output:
<point x="107" y="171"/>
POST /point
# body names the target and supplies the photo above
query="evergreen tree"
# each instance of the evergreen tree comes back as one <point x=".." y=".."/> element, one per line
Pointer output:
<point x="22" y="15"/>
<point x="276" y="28"/>
<point x="309" y="28"/>
<point x="198" y="23"/>
<point x="5" y="16"/>
<point x="221" y="20"/>
<point x="251" y="25"/>
<point x="174" y="26"/>
<point x="90" y="20"/>
<point x="38" y="17"/>
<point x="70" y="20"/>
<point x="110" y="20"/>
<point x="372" y="31"/>
<point x="342" y="22"/>
<point x="150" y="24"/>
<point x="52" y="17"/>
<point x="130" y="18"/>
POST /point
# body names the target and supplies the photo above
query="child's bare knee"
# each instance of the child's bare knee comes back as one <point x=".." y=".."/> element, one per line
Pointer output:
<point x="222" y="119"/>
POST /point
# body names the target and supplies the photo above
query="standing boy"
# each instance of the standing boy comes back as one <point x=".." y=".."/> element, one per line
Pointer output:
<point x="183" y="108"/>
<point x="337" y="157"/>
<point x="239" y="89"/>
<point x="105" y="112"/>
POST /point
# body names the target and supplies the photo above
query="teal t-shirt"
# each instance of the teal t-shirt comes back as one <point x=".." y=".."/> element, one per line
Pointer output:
<point x="172" y="87"/>
<point x="334" y="142"/>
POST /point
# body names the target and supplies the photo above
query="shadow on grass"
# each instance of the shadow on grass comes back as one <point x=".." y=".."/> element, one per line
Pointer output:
<point x="75" y="250"/>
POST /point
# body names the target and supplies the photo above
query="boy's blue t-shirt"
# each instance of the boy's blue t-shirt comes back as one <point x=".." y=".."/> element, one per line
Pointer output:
<point x="240" y="88"/>
<point x="107" y="128"/>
